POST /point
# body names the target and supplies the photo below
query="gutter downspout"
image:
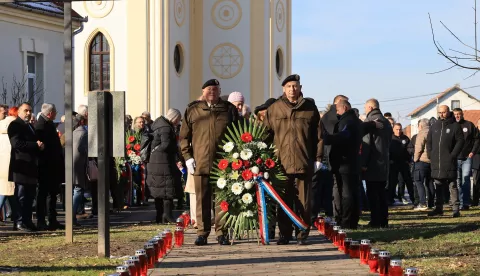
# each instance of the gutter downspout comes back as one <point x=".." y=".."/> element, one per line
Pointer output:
<point x="74" y="33"/>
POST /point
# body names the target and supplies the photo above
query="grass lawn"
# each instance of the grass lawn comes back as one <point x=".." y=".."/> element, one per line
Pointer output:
<point x="50" y="255"/>
<point x="437" y="246"/>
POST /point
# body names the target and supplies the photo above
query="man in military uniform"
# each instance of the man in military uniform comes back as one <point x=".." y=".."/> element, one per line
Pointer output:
<point x="294" y="122"/>
<point x="204" y="125"/>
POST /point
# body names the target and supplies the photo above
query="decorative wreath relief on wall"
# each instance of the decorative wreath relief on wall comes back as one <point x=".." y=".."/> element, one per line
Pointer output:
<point x="98" y="9"/>
<point x="226" y="60"/>
<point x="280" y="16"/>
<point x="179" y="12"/>
<point x="226" y="14"/>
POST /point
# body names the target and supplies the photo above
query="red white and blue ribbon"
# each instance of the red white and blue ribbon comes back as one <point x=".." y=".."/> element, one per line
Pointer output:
<point x="265" y="186"/>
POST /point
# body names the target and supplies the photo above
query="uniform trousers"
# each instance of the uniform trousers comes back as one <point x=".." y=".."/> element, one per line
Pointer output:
<point x="346" y="198"/>
<point x="297" y="196"/>
<point x="378" y="201"/>
<point x="204" y="198"/>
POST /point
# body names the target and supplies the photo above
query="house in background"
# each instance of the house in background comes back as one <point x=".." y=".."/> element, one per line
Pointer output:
<point x="31" y="55"/>
<point x="454" y="97"/>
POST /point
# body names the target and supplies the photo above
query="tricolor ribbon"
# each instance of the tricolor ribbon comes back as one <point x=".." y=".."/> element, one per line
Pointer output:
<point x="142" y="180"/>
<point x="262" y="187"/>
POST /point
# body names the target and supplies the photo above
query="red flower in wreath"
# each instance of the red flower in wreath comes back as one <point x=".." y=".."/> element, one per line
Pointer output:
<point x="223" y="164"/>
<point x="128" y="146"/>
<point x="246" y="164"/>
<point x="136" y="147"/>
<point x="224" y="206"/>
<point x="269" y="163"/>
<point x="247" y="174"/>
<point x="137" y="153"/>
<point x="247" y="137"/>
<point x="131" y="139"/>
<point x="237" y="165"/>
<point x="259" y="161"/>
<point x="129" y="152"/>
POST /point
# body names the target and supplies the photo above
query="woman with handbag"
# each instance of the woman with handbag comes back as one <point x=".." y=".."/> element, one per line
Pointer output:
<point x="163" y="175"/>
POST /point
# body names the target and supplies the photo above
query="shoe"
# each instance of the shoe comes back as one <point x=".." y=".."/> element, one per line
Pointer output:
<point x="456" y="214"/>
<point x="302" y="242"/>
<point x="55" y="225"/>
<point x="283" y="240"/>
<point x="23" y="227"/>
<point x="435" y="212"/>
<point x="167" y="211"/>
<point x="420" y="207"/>
<point x="42" y="226"/>
<point x="14" y="228"/>
<point x="201" y="240"/>
<point x="405" y="201"/>
<point x="465" y="208"/>
<point x="222" y="240"/>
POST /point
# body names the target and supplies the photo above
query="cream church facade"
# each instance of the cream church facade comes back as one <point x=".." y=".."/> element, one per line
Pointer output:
<point x="160" y="52"/>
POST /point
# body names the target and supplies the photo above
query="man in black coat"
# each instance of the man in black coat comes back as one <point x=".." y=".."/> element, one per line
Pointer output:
<point x="470" y="148"/>
<point x="345" y="163"/>
<point x="444" y="143"/>
<point x="24" y="164"/>
<point x="51" y="168"/>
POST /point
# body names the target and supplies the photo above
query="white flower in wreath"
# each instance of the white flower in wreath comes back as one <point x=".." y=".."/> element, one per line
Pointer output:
<point x="247" y="198"/>
<point x="249" y="214"/>
<point x="228" y="147"/>
<point x="261" y="145"/>
<point x="266" y="175"/>
<point x="246" y="154"/>
<point x="237" y="188"/>
<point x="236" y="155"/>
<point x="248" y="185"/>
<point x="221" y="183"/>
<point x="255" y="170"/>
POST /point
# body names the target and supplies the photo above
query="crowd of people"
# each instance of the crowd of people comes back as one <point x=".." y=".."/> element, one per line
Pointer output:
<point x="337" y="161"/>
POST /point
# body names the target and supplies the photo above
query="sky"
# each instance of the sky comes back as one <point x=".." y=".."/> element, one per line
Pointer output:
<point x="379" y="49"/>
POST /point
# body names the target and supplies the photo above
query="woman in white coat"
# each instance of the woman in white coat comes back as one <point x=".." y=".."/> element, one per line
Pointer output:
<point x="7" y="188"/>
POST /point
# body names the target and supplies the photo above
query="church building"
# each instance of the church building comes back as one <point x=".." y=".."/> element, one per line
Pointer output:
<point x="160" y="52"/>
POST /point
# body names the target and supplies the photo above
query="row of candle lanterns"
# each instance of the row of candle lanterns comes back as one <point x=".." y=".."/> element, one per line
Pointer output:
<point x="378" y="261"/>
<point x="154" y="250"/>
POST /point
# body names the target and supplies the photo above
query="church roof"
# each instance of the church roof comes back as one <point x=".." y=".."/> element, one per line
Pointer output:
<point x="46" y="8"/>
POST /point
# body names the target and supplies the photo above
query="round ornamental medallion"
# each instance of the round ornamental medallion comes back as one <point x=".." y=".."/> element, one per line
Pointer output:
<point x="179" y="12"/>
<point x="280" y="16"/>
<point x="226" y="60"/>
<point x="98" y="9"/>
<point x="226" y="14"/>
<point x="465" y="129"/>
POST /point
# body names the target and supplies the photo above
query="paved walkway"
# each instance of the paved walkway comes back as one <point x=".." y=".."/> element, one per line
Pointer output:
<point x="248" y="258"/>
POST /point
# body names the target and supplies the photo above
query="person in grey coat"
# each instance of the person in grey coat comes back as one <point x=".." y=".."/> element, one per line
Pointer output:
<point x="80" y="159"/>
<point x="375" y="156"/>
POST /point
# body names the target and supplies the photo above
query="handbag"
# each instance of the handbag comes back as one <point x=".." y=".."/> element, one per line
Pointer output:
<point x="92" y="171"/>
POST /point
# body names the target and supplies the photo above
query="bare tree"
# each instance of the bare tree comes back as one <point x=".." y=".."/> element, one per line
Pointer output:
<point x="466" y="58"/>
<point x="19" y="91"/>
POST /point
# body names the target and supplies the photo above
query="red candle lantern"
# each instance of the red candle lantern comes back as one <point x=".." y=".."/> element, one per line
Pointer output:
<point x="169" y="237"/>
<point x="156" y="249"/>
<point x="373" y="260"/>
<point x="186" y="218"/>
<point x="342" y="234"/>
<point x="330" y="229"/>
<point x="180" y="222"/>
<point x="321" y="225"/>
<point x="317" y="222"/>
<point x="150" y="254"/>
<point x="136" y="262"/>
<point x="383" y="262"/>
<point x="131" y="267"/>
<point x="395" y="268"/>
<point x="122" y="270"/>
<point x="159" y="241"/>
<point x="178" y="236"/>
<point x="142" y="256"/>
<point x="347" y="243"/>
<point x="364" y="251"/>
<point x="326" y="226"/>
<point x="411" y="271"/>
<point x="335" y="235"/>
<point x="354" y="250"/>
<point x="164" y="243"/>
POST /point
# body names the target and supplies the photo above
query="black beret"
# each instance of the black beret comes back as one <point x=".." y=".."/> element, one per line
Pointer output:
<point x="212" y="82"/>
<point x="264" y="106"/>
<point x="293" y="77"/>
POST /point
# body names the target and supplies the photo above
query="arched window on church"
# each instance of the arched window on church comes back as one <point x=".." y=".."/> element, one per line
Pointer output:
<point x="99" y="63"/>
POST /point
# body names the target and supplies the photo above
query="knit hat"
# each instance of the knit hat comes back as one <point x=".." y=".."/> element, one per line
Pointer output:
<point x="236" y="97"/>
<point x="173" y="115"/>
